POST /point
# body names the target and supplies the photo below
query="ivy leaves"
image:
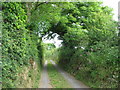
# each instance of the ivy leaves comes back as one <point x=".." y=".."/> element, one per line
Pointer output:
<point x="18" y="44"/>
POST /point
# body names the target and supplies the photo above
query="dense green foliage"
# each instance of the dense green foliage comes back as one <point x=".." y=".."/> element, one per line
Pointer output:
<point x="90" y="41"/>
<point x="19" y="45"/>
<point x="90" y="52"/>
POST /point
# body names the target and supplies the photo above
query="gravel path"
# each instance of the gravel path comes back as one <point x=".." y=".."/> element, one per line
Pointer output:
<point x="72" y="81"/>
<point x="45" y="82"/>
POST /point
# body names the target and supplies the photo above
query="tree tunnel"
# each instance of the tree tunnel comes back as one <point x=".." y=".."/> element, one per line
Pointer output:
<point x="89" y="49"/>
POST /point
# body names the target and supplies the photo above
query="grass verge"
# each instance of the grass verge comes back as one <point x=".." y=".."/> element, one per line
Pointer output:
<point x="28" y="77"/>
<point x="56" y="79"/>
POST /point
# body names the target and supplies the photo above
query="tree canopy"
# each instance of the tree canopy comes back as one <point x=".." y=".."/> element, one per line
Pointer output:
<point x="90" y="40"/>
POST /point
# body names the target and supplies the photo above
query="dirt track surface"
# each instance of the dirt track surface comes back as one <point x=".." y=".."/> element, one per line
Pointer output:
<point x="45" y="82"/>
<point x="71" y="80"/>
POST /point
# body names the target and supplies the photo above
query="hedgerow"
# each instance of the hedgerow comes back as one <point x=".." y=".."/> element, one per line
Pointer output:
<point x="90" y="40"/>
<point x="19" y="45"/>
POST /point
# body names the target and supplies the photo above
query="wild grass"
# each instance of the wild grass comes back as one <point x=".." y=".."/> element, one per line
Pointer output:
<point x="56" y="79"/>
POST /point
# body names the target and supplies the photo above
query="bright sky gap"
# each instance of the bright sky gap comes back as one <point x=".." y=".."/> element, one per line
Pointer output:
<point x="110" y="3"/>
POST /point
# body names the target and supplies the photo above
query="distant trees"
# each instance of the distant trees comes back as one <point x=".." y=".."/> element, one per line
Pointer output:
<point x="90" y="40"/>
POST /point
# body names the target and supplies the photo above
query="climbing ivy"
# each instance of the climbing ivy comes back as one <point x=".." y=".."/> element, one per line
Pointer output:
<point x="19" y="45"/>
<point x="89" y="34"/>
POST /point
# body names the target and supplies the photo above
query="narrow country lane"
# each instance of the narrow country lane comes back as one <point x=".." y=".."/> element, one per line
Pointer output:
<point x="72" y="81"/>
<point x="44" y="82"/>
